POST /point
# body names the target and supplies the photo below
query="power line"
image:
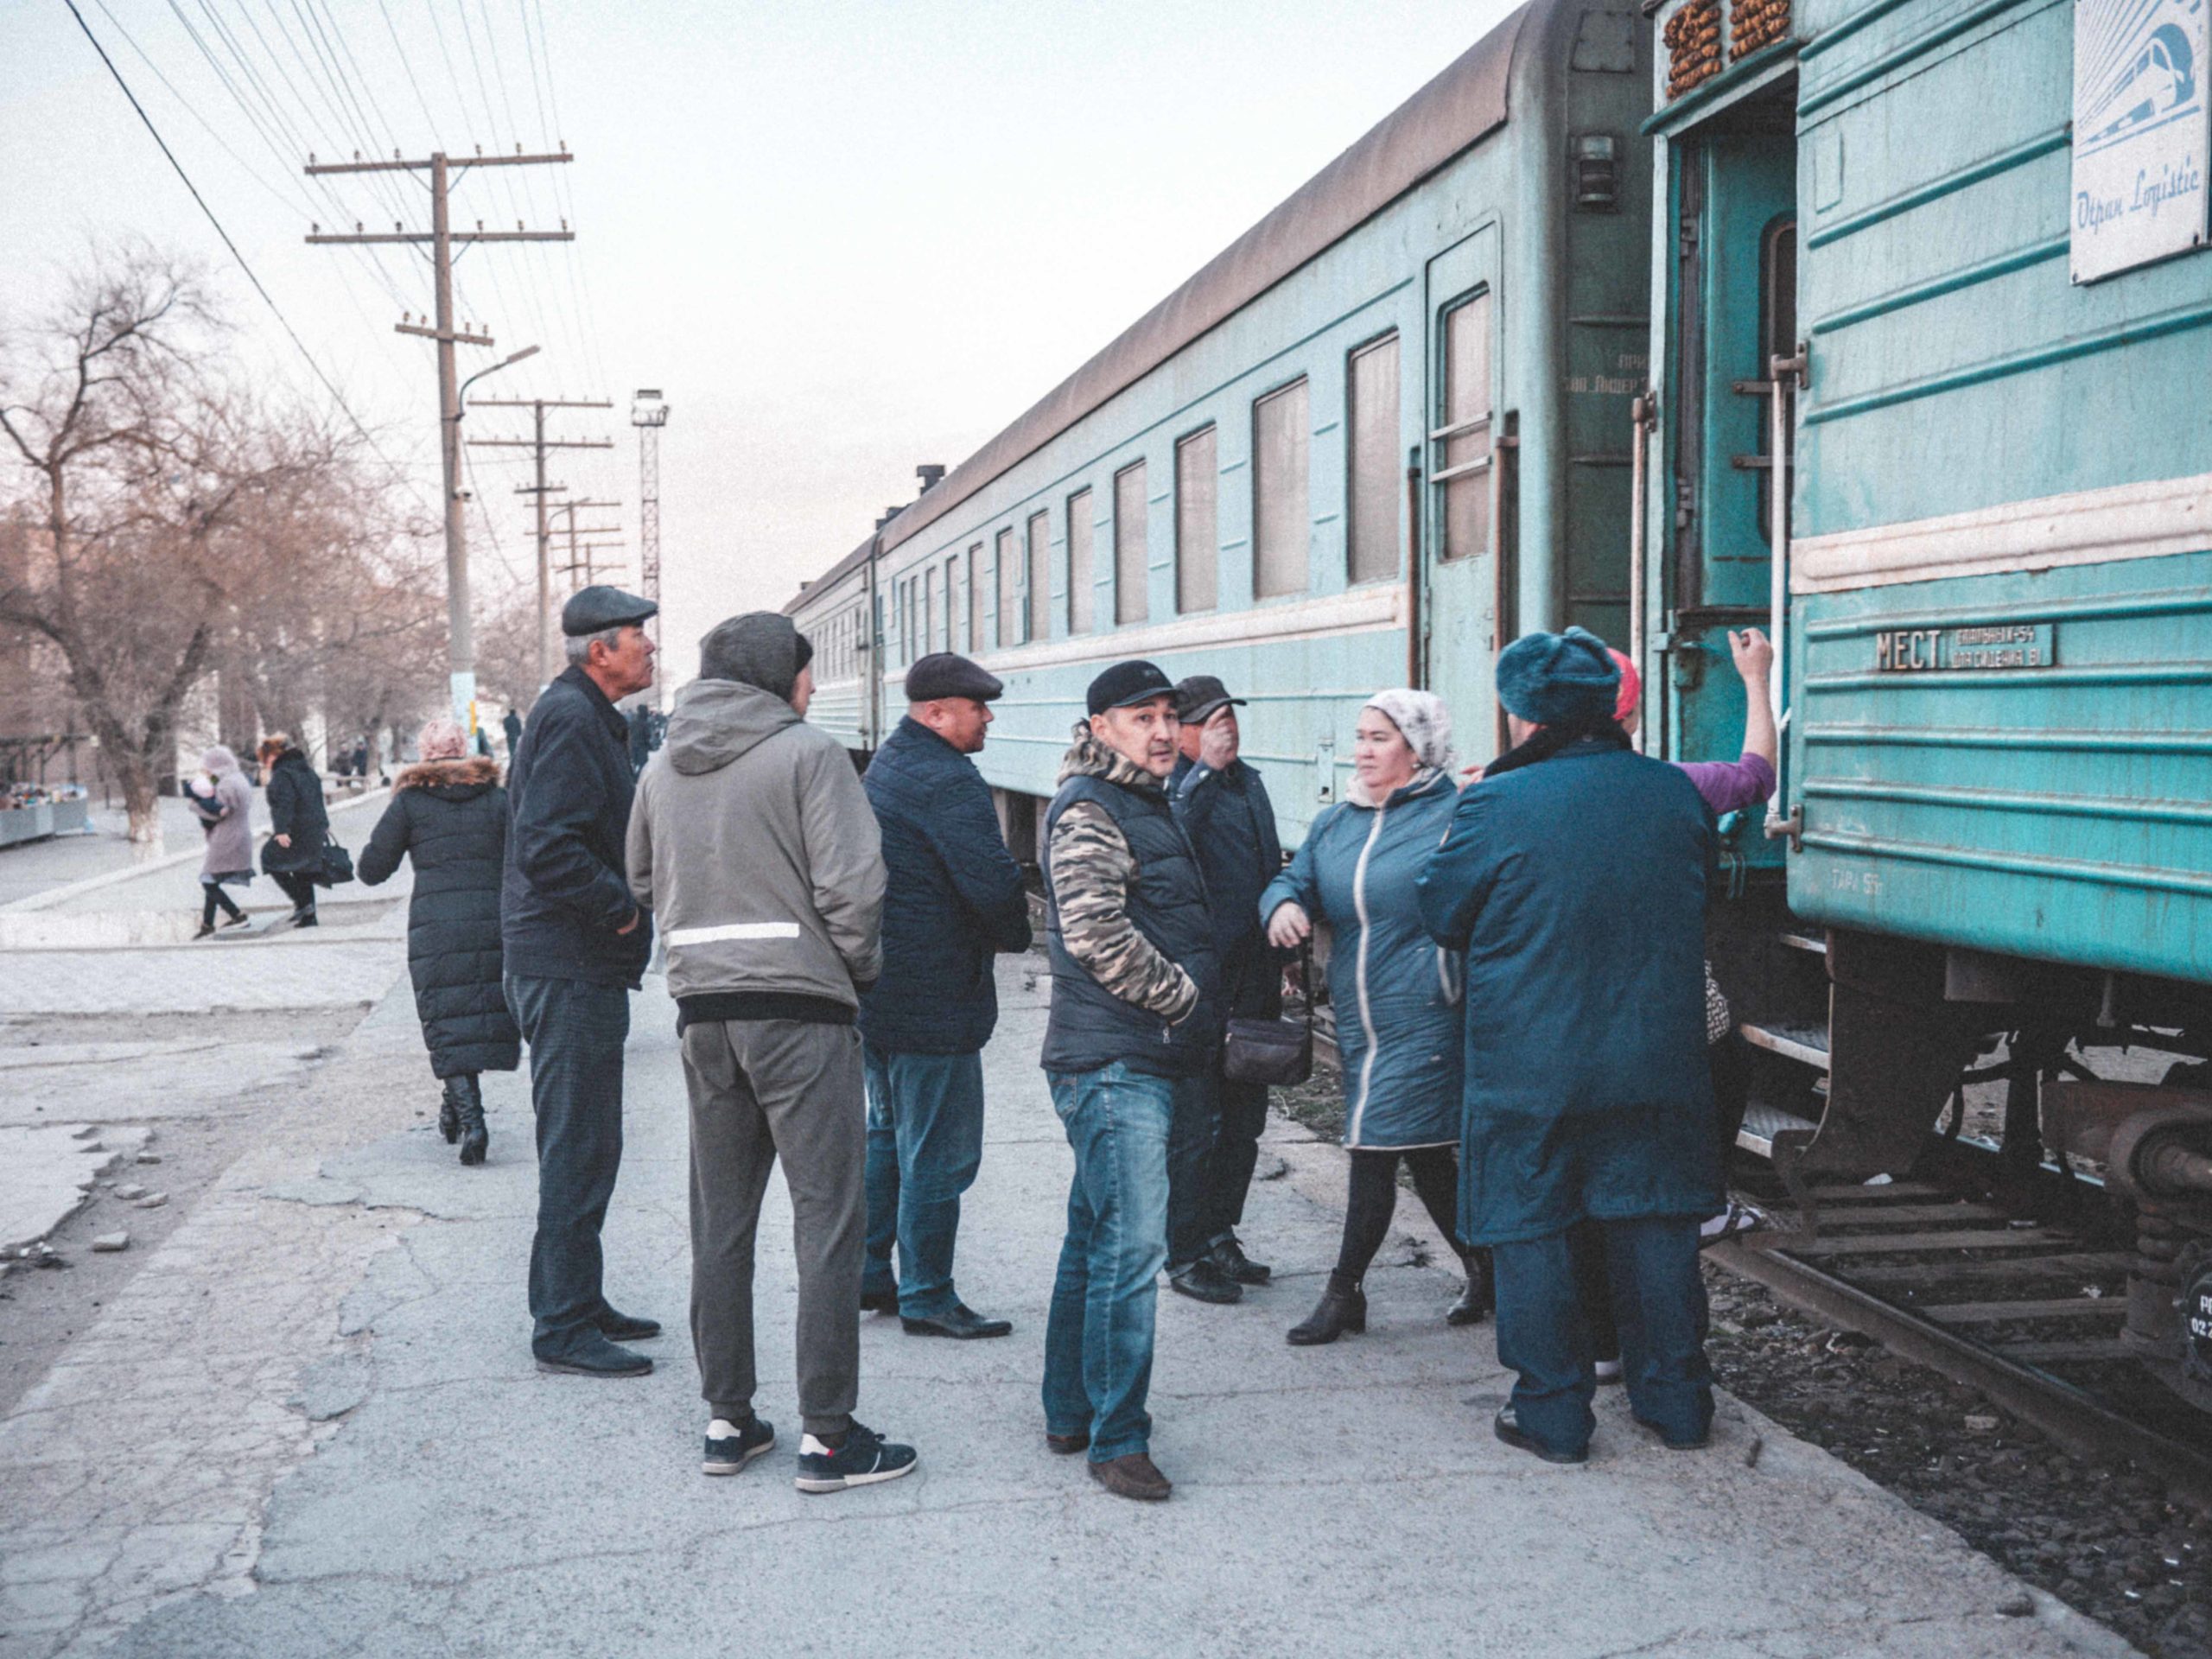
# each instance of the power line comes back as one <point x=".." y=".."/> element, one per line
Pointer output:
<point x="277" y="310"/>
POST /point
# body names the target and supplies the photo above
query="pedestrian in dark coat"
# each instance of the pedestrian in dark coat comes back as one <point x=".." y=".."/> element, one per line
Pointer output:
<point x="298" y="825"/>
<point x="1574" y="878"/>
<point x="1223" y="806"/>
<point x="510" y="723"/>
<point x="576" y="943"/>
<point x="954" y="900"/>
<point x="449" y="815"/>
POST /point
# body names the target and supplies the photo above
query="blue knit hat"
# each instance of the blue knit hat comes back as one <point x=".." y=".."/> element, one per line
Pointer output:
<point x="1558" y="679"/>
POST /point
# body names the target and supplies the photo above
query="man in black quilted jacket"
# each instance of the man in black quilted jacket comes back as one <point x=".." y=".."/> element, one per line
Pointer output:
<point x="955" y="898"/>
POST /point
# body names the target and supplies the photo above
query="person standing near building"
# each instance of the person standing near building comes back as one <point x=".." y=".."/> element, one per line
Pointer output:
<point x="1223" y="808"/>
<point x="1135" y="1024"/>
<point x="576" y="943"/>
<point x="955" y="900"/>
<point x="1574" y="878"/>
<point x="511" y="724"/>
<point x="298" y="823"/>
<point x="755" y="846"/>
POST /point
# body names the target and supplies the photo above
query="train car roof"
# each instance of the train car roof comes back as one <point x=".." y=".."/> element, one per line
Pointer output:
<point x="811" y="590"/>
<point x="1454" y="111"/>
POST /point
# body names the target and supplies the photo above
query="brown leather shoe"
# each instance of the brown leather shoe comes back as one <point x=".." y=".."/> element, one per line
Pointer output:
<point x="1135" y="1477"/>
<point x="1067" y="1445"/>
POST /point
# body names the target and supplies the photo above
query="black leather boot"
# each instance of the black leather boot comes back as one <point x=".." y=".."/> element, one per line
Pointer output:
<point x="1479" y="1296"/>
<point x="475" y="1139"/>
<point x="1343" y="1307"/>
<point x="449" y="1111"/>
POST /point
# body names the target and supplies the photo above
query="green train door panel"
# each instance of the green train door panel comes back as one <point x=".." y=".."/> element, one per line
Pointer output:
<point x="1735" y="281"/>
<point x="1468" y="560"/>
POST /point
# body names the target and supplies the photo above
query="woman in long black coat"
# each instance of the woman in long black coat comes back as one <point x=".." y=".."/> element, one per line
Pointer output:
<point x="449" y="813"/>
<point x="292" y="856"/>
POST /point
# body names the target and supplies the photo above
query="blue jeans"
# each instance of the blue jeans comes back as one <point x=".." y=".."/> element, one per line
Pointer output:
<point x="925" y="1145"/>
<point x="1659" y="1301"/>
<point x="575" y="1031"/>
<point x="1098" y="1337"/>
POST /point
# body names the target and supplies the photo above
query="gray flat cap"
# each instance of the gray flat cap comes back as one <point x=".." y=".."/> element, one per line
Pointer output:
<point x="601" y="607"/>
<point x="947" y="674"/>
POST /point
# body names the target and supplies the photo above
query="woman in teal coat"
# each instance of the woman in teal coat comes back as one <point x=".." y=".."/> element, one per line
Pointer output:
<point x="1397" y="994"/>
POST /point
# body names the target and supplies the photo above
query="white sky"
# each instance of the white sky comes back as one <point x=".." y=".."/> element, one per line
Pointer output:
<point x="842" y="235"/>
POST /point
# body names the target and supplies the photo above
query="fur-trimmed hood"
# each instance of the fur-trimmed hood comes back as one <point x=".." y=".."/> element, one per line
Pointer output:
<point x="477" y="771"/>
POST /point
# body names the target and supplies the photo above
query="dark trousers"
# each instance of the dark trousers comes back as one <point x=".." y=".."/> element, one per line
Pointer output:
<point x="575" y="1031"/>
<point x="1215" y="1144"/>
<point x="1374" y="1200"/>
<point x="1658" y="1301"/>
<point x="763" y="1090"/>
<point x="925" y="1146"/>
<point x="210" y="896"/>
<point x="299" y="888"/>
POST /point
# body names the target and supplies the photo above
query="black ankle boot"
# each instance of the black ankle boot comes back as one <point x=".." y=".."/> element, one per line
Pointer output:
<point x="475" y="1139"/>
<point x="449" y="1111"/>
<point x="1343" y="1307"/>
<point x="1479" y="1296"/>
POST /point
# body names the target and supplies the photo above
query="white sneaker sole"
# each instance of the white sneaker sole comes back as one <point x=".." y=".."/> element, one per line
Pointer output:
<point x="722" y="1466"/>
<point x="840" y="1482"/>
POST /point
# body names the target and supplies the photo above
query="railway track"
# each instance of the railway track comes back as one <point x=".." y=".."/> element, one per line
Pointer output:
<point x="2027" y="1310"/>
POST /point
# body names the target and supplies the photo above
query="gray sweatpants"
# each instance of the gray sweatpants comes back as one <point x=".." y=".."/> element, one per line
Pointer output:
<point x="761" y="1090"/>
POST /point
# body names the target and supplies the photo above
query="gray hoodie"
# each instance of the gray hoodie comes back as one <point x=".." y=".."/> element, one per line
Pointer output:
<point x="753" y="844"/>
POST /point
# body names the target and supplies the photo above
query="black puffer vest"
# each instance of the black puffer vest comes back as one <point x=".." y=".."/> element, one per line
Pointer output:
<point x="1090" y="1027"/>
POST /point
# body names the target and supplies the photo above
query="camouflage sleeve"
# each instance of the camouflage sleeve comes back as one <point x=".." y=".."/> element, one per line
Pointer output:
<point x="1091" y="868"/>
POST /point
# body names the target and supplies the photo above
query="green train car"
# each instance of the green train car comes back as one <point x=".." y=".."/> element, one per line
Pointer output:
<point x="1932" y="397"/>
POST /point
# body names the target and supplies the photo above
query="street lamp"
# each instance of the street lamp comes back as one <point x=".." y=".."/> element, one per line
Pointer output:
<point x="461" y="399"/>
<point x="461" y="629"/>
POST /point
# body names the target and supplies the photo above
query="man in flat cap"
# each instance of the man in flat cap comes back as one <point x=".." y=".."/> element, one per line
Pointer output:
<point x="1223" y="808"/>
<point x="954" y="900"/>
<point x="1135" y="1023"/>
<point x="1571" y="1121"/>
<point x="575" y="945"/>
<point x="754" y="845"/>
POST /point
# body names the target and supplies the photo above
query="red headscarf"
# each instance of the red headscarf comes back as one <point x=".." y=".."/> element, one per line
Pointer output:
<point x="1632" y="684"/>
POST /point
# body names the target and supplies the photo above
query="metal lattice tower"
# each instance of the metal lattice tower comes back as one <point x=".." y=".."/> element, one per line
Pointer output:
<point x="649" y="413"/>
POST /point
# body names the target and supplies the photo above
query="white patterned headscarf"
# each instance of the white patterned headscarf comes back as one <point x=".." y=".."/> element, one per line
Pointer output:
<point x="1423" y="720"/>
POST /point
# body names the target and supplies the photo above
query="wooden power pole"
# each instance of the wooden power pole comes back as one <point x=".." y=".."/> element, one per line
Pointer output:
<point x="442" y="240"/>
<point x="540" y="443"/>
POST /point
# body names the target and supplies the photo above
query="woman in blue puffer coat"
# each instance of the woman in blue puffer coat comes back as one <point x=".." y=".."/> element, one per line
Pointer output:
<point x="1397" y="994"/>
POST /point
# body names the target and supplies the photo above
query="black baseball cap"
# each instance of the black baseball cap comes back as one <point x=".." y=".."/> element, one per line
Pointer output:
<point x="1197" y="697"/>
<point x="1128" y="684"/>
<point x="947" y="674"/>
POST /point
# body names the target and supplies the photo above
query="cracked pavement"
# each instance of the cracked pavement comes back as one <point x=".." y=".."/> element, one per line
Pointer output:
<point x="311" y="1425"/>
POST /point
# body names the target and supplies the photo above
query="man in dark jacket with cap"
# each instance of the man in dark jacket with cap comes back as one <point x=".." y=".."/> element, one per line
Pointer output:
<point x="1135" y="1023"/>
<point x="955" y="898"/>
<point x="1573" y="876"/>
<point x="1223" y="808"/>
<point x="575" y="944"/>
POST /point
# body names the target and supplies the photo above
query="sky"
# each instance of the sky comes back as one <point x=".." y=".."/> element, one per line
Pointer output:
<point x="842" y="237"/>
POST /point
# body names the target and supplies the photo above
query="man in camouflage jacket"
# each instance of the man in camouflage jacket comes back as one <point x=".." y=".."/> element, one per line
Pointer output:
<point x="1135" y="1024"/>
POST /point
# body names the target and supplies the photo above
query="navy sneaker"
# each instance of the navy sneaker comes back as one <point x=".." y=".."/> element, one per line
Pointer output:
<point x="730" y="1445"/>
<point x="863" y="1458"/>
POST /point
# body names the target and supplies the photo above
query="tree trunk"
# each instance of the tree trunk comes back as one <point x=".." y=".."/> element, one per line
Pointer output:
<point x="142" y="799"/>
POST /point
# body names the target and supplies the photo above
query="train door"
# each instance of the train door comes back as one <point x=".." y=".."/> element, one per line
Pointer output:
<point x="1467" y="609"/>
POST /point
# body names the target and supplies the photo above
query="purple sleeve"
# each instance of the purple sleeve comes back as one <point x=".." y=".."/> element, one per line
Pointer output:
<point x="1731" y="785"/>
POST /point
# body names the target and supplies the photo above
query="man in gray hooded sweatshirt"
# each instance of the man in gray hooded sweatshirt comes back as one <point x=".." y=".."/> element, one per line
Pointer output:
<point x="752" y="842"/>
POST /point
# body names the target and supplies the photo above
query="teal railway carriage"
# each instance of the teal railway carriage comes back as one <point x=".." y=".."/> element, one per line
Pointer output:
<point x="1384" y="430"/>
<point x="1931" y="396"/>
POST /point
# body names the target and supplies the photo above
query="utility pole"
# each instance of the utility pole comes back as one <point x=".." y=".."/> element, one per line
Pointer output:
<point x="582" y="559"/>
<point x="649" y="413"/>
<point x="540" y="443"/>
<point x="442" y="240"/>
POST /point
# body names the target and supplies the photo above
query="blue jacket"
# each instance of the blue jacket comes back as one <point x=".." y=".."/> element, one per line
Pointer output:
<point x="565" y="889"/>
<point x="1577" y="888"/>
<point x="955" y="898"/>
<point x="1231" y="823"/>
<point x="1396" y="991"/>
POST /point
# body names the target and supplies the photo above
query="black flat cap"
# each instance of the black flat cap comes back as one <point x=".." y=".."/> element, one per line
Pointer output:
<point x="601" y="607"/>
<point x="1128" y="682"/>
<point x="1197" y="697"/>
<point x="947" y="674"/>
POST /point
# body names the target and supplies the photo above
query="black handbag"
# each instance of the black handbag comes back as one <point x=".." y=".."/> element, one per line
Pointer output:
<point x="1277" y="1052"/>
<point x="337" y="864"/>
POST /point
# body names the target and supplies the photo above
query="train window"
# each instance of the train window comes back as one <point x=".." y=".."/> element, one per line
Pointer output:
<point x="1371" y="463"/>
<point x="929" y="610"/>
<point x="1132" y="574"/>
<point x="1009" y="620"/>
<point x="975" y="597"/>
<point x="1079" y="562"/>
<point x="946" y="644"/>
<point x="1462" y="436"/>
<point x="1280" y="527"/>
<point x="1198" y="527"/>
<point x="1040" y="534"/>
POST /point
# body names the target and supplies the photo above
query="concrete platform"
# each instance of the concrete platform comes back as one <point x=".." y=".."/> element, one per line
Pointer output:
<point x="359" y="1456"/>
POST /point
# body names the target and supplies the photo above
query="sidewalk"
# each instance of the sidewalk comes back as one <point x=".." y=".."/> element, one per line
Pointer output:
<point x="344" y="1324"/>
